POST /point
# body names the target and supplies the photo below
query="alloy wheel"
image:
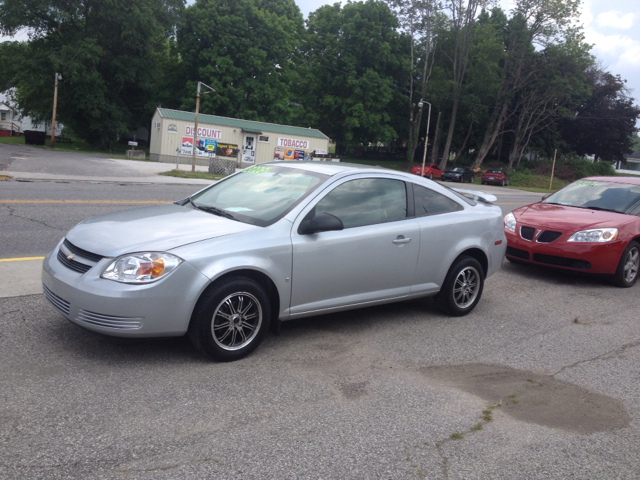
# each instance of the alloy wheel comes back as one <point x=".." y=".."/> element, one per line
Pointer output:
<point x="466" y="287"/>
<point x="631" y="264"/>
<point x="236" y="321"/>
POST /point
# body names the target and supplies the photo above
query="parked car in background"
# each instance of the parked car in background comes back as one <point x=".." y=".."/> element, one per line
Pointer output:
<point x="431" y="171"/>
<point x="274" y="242"/>
<point x="458" y="174"/>
<point x="497" y="177"/>
<point x="591" y="226"/>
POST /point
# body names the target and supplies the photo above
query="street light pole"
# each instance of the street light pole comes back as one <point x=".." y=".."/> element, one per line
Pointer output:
<point x="55" y="107"/>
<point x="195" y="131"/>
<point x="426" y="139"/>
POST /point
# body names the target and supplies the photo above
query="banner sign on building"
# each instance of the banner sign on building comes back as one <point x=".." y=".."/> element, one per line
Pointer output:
<point x="227" y="150"/>
<point x="292" y="154"/>
<point x="203" y="132"/>
<point x="293" y="143"/>
<point x="186" y="147"/>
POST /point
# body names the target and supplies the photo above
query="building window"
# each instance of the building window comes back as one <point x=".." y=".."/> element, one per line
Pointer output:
<point x="263" y="138"/>
<point x="3" y="116"/>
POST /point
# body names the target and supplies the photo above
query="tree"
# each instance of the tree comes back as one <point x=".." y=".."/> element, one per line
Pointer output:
<point x="246" y="50"/>
<point x="605" y="124"/>
<point x="106" y="53"/>
<point x="354" y="56"/>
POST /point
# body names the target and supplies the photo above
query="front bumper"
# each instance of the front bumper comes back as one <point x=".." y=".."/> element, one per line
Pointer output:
<point x="157" y="309"/>
<point x="596" y="258"/>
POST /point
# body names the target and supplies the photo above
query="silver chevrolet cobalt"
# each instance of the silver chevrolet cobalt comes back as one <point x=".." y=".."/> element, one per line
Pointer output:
<point x="275" y="242"/>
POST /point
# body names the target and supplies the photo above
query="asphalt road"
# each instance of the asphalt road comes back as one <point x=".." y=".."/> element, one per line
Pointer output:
<point x="540" y="381"/>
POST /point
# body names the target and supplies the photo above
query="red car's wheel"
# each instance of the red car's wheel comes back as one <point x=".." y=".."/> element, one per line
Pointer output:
<point x="627" y="272"/>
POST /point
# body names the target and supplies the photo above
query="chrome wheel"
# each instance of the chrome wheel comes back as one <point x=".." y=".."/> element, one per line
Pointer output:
<point x="465" y="288"/>
<point x="631" y="264"/>
<point x="236" y="321"/>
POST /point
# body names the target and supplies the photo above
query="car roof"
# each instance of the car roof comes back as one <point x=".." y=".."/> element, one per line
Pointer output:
<point x="627" y="180"/>
<point x="330" y="168"/>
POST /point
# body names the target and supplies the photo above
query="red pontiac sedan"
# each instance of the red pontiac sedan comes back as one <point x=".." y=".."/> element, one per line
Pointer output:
<point x="498" y="177"/>
<point x="591" y="226"/>
<point x="431" y="170"/>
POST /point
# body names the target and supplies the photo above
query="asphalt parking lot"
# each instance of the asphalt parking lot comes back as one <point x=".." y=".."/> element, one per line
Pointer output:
<point x="539" y="381"/>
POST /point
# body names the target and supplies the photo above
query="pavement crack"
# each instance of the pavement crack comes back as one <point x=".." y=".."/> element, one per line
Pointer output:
<point x="12" y="213"/>
<point x="610" y="354"/>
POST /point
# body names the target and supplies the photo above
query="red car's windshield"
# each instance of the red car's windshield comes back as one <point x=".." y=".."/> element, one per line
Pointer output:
<point x="616" y="197"/>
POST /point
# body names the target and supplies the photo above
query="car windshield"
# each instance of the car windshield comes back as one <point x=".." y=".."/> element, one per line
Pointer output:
<point x="494" y="171"/>
<point x="457" y="170"/>
<point x="259" y="195"/>
<point x="616" y="197"/>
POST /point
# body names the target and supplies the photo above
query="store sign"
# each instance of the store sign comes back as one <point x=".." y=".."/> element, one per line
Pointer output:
<point x="172" y="128"/>
<point x="293" y="143"/>
<point x="292" y="154"/>
<point x="203" y="132"/>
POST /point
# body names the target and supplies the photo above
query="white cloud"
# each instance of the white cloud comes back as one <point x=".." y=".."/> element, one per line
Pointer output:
<point x="616" y="19"/>
<point x="616" y="50"/>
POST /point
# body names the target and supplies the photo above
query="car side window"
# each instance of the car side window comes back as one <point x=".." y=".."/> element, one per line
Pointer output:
<point x="366" y="201"/>
<point x="428" y="202"/>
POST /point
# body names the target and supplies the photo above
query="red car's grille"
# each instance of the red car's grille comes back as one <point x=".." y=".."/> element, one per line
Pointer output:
<point x="518" y="253"/>
<point x="527" y="233"/>
<point x="548" y="236"/>
<point x="561" y="261"/>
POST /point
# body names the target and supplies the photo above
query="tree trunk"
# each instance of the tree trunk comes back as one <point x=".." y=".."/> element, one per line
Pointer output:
<point x="493" y="129"/>
<point x="436" y="138"/>
<point x="447" y="145"/>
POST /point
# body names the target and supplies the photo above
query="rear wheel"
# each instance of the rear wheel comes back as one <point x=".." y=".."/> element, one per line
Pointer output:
<point x="462" y="288"/>
<point x="231" y="319"/>
<point x="431" y="176"/>
<point x="627" y="271"/>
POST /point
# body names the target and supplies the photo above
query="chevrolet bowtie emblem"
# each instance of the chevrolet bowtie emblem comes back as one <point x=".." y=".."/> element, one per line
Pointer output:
<point x="70" y="256"/>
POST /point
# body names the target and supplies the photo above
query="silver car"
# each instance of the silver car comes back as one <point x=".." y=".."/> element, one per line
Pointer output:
<point x="275" y="242"/>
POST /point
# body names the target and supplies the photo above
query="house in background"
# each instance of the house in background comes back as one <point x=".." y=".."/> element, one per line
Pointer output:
<point x="13" y="123"/>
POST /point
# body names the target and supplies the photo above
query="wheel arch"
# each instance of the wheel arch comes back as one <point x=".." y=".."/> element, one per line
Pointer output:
<point x="259" y="277"/>
<point x="479" y="255"/>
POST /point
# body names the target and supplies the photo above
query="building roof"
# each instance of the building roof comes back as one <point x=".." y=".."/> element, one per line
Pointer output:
<point x="245" y="125"/>
<point x="635" y="155"/>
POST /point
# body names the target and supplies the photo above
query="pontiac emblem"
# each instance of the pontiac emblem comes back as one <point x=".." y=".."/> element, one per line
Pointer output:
<point x="70" y="256"/>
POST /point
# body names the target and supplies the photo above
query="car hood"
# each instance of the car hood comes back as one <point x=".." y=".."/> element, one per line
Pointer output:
<point x="564" y="218"/>
<point x="155" y="228"/>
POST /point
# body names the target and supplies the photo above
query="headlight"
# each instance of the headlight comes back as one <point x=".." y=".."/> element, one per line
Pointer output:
<point x="595" y="235"/>
<point x="145" y="267"/>
<point x="510" y="222"/>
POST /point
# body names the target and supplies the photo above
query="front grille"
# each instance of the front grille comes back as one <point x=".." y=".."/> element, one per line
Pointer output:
<point x="518" y="253"/>
<point x="548" y="236"/>
<point x="55" y="300"/>
<point x="109" y="321"/>
<point x="72" y="264"/>
<point x="94" y="257"/>
<point x="527" y="233"/>
<point x="562" y="261"/>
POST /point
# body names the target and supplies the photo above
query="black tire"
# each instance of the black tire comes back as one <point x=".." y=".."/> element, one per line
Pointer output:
<point x="230" y="319"/>
<point x="431" y="176"/>
<point x="627" y="272"/>
<point x="462" y="287"/>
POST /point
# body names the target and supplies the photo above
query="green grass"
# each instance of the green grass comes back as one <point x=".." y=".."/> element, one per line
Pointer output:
<point x="187" y="174"/>
<point x="12" y="140"/>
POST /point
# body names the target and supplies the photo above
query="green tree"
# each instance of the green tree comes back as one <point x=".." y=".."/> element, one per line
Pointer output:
<point x="246" y="50"/>
<point x="604" y="124"/>
<point x="356" y="63"/>
<point x="106" y="52"/>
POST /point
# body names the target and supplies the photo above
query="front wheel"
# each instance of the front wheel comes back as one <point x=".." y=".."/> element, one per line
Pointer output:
<point x="230" y="319"/>
<point x="462" y="287"/>
<point x="627" y="271"/>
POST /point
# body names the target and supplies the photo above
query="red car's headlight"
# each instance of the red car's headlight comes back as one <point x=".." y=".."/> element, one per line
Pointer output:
<point x="595" y="235"/>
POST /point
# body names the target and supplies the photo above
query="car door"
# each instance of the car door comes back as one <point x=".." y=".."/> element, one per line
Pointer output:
<point x="373" y="258"/>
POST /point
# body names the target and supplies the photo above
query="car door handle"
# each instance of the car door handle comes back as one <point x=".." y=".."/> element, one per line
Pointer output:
<point x="401" y="240"/>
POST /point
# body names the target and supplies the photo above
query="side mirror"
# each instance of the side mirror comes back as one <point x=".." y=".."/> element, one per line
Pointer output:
<point x="545" y="196"/>
<point x="325" y="222"/>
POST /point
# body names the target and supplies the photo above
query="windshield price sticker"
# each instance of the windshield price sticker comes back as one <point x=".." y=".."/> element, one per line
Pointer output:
<point x="257" y="169"/>
<point x="585" y="183"/>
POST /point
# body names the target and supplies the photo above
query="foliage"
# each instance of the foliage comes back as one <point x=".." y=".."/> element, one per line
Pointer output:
<point x="106" y="53"/>
<point x="355" y="57"/>
<point x="246" y="51"/>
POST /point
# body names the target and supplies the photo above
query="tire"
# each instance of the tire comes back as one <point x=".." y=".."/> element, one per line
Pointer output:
<point x="462" y="287"/>
<point x="503" y="183"/>
<point x="230" y="319"/>
<point x="472" y="179"/>
<point x="627" y="271"/>
<point x="431" y="176"/>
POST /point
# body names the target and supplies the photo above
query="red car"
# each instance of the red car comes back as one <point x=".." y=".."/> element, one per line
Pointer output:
<point x="499" y="177"/>
<point x="591" y="226"/>
<point x="431" y="171"/>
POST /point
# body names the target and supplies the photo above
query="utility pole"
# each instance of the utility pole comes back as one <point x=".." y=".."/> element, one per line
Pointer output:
<point x="195" y="131"/>
<point x="426" y="139"/>
<point x="55" y="107"/>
